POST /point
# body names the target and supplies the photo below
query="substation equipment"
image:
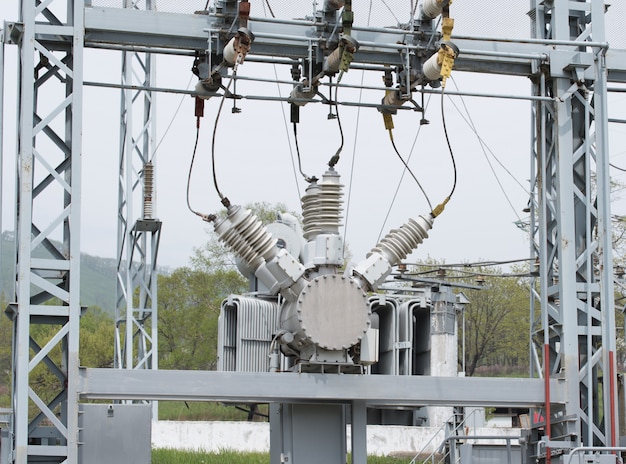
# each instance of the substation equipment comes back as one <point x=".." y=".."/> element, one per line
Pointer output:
<point x="325" y="351"/>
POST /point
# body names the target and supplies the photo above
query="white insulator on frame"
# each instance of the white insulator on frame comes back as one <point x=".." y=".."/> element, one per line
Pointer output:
<point x="230" y="52"/>
<point x="332" y="64"/>
<point x="148" y="190"/>
<point x="237" y="47"/>
<point x="432" y="8"/>
<point x="300" y="96"/>
<point x="321" y="206"/>
<point x="246" y="236"/>
<point x="432" y="68"/>
<point x="393" y="98"/>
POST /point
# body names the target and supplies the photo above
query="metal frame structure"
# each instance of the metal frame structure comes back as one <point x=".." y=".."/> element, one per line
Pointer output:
<point x="575" y="337"/>
<point x="48" y="194"/>
<point x="136" y="334"/>
<point x="568" y="61"/>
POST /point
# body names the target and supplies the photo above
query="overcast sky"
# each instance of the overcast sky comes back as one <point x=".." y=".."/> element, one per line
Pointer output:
<point x="255" y="153"/>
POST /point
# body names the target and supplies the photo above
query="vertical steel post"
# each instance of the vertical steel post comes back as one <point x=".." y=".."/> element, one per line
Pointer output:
<point x="136" y="345"/>
<point x="47" y="287"/>
<point x="575" y="249"/>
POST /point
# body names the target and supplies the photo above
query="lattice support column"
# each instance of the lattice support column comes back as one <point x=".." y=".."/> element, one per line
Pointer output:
<point x="46" y="312"/>
<point x="136" y="332"/>
<point x="576" y="337"/>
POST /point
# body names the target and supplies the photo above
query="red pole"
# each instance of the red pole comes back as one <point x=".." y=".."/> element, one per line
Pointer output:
<point x="612" y="396"/>
<point x="546" y="379"/>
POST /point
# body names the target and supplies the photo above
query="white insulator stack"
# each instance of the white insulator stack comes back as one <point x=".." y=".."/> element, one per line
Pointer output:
<point x="321" y="206"/>
<point x="246" y="236"/>
<point x="298" y="93"/>
<point x="332" y="64"/>
<point x="432" y="8"/>
<point x="391" y="250"/>
<point x="321" y="219"/>
<point x="399" y="243"/>
<point x="148" y="190"/>
<point x="432" y="68"/>
<point x="275" y="267"/>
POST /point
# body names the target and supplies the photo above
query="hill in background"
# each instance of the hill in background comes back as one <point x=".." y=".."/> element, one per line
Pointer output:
<point x="97" y="284"/>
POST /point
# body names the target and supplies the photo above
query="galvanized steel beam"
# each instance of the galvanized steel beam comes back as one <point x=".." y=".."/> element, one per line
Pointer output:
<point x="373" y="390"/>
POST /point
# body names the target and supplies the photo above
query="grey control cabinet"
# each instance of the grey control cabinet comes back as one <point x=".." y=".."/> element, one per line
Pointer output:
<point x="115" y="433"/>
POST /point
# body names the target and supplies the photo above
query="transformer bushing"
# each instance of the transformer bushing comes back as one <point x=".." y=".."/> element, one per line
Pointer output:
<point x="392" y="249"/>
<point x="321" y="217"/>
<point x="248" y="238"/>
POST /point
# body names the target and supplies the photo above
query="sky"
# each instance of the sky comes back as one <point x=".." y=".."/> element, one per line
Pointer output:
<point x="255" y="158"/>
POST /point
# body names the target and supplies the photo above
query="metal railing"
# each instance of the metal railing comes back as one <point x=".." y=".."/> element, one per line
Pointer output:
<point x="508" y="439"/>
<point x="446" y="429"/>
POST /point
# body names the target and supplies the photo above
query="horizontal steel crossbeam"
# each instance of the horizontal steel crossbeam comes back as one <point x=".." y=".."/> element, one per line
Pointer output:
<point x="374" y="390"/>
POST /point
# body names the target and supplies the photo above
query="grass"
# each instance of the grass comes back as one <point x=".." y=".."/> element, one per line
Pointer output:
<point x="199" y="411"/>
<point x="168" y="456"/>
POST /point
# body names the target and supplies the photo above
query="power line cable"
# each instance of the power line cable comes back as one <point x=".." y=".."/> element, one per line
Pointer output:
<point x="356" y="132"/>
<point x="269" y="7"/>
<point x="335" y="158"/>
<point x="407" y="168"/>
<point x="617" y="167"/>
<point x="491" y="167"/>
<point x="282" y="107"/>
<point x="391" y="11"/>
<point x="295" y="137"/>
<point x="193" y="158"/>
<point x="474" y="264"/>
<point x="445" y="131"/>
<point x="395" y="195"/>
<point x="223" y="199"/>
<point x="169" y="126"/>
<point x="470" y="122"/>
<point x="206" y="217"/>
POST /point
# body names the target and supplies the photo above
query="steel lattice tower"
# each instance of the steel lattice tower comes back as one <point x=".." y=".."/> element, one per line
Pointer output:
<point x="49" y="184"/>
<point x="139" y="231"/>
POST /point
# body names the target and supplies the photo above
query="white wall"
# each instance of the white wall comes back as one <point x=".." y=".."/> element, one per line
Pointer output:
<point x="255" y="437"/>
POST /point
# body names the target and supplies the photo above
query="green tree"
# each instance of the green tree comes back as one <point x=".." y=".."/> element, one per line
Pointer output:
<point x="497" y="324"/>
<point x="97" y="333"/>
<point x="494" y="327"/>
<point x="189" y="306"/>
<point x="95" y="350"/>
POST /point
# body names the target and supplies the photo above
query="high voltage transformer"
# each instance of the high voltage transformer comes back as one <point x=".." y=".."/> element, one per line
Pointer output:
<point x="313" y="338"/>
